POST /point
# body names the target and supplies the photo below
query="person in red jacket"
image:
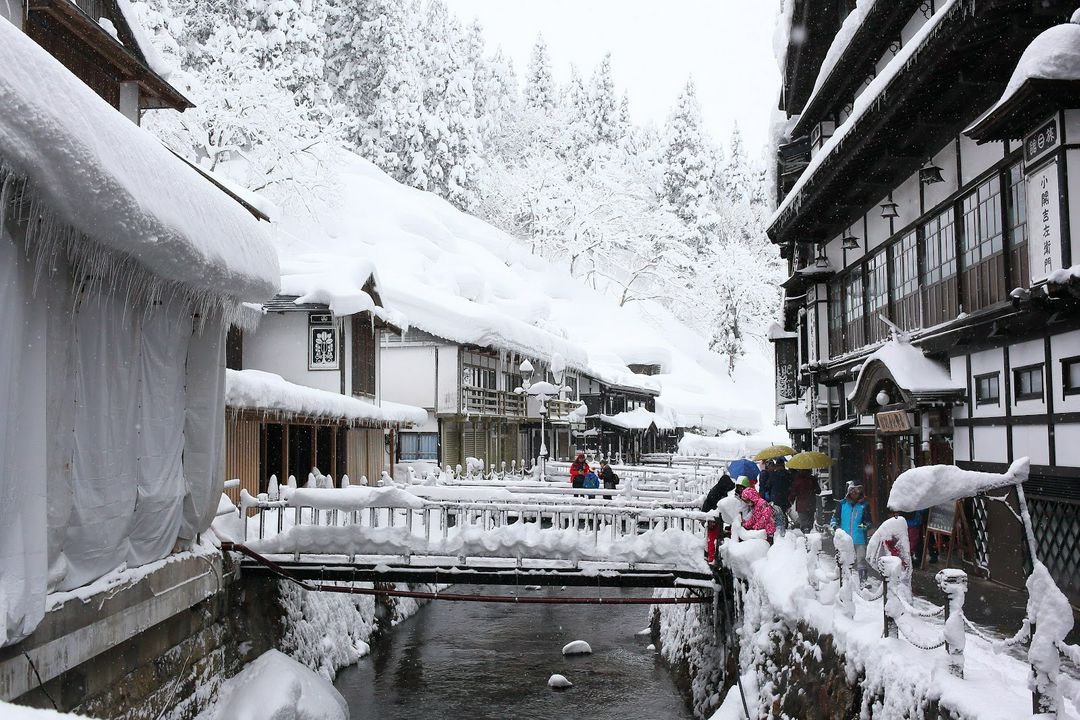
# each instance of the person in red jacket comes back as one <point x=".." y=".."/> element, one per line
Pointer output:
<point x="761" y="514"/>
<point x="578" y="470"/>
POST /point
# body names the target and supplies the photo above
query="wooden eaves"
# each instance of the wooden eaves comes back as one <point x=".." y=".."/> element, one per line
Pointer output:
<point x="1035" y="100"/>
<point x="124" y="56"/>
<point x="961" y="67"/>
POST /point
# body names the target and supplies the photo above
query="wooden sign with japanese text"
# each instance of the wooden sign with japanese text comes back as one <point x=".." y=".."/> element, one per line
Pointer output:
<point x="1044" y="220"/>
<point x="1042" y="141"/>
<point x="893" y="421"/>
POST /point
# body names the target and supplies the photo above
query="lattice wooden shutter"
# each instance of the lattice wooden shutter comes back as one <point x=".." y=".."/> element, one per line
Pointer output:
<point x="363" y="355"/>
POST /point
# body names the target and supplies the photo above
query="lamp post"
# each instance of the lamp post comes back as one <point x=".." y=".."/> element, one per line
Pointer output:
<point x="542" y="391"/>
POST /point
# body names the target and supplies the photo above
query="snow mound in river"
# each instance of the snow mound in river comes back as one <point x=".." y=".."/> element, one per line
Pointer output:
<point x="276" y="687"/>
<point x="578" y="647"/>
<point x="559" y="682"/>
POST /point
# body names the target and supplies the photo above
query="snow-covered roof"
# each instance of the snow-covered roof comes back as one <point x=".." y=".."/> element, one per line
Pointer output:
<point x="269" y="393"/>
<point x="862" y="104"/>
<point x="98" y="175"/>
<point x="461" y="279"/>
<point x="154" y="60"/>
<point x="776" y="331"/>
<point x="840" y="43"/>
<point x="1053" y="55"/>
<point x="637" y="419"/>
<point x="910" y="369"/>
<point x="834" y="427"/>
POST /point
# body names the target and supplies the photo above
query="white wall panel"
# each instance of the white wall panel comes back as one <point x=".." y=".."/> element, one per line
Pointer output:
<point x="1031" y="441"/>
<point x="990" y="445"/>
<point x="280" y="346"/>
<point x="1067" y="445"/>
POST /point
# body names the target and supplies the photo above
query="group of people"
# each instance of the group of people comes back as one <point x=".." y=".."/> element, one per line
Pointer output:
<point x="583" y="477"/>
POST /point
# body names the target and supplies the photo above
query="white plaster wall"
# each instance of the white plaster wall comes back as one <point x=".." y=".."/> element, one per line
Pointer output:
<point x="990" y="444"/>
<point x="958" y="372"/>
<point x="1063" y="346"/>
<point x="279" y="345"/>
<point x="878" y="229"/>
<point x="1031" y="441"/>
<point x="1021" y="354"/>
<point x="916" y="21"/>
<point x="906" y="196"/>
<point x="961" y="445"/>
<point x="408" y="375"/>
<point x="11" y="10"/>
<point x="982" y="363"/>
<point x="934" y="195"/>
<point x="448" y="379"/>
<point x="976" y="159"/>
<point x="1067" y="445"/>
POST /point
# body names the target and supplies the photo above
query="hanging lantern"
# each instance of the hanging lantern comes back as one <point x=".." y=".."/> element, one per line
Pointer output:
<point x="849" y="242"/>
<point x="821" y="261"/>
<point x="889" y="210"/>
<point x="930" y="174"/>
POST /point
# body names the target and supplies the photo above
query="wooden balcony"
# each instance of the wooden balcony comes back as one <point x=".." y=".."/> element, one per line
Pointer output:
<point x="559" y="410"/>
<point x="498" y="403"/>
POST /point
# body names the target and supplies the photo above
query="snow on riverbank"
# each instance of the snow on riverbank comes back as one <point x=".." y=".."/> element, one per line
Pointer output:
<point x="18" y="712"/>
<point x="276" y="686"/>
<point x="898" y="679"/>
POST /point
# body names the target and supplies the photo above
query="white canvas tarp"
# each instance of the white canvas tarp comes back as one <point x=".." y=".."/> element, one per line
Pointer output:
<point x="23" y="559"/>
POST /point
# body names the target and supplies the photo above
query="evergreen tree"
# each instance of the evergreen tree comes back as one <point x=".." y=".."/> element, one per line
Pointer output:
<point x="688" y="172"/>
<point x="539" y="83"/>
<point x="603" y="106"/>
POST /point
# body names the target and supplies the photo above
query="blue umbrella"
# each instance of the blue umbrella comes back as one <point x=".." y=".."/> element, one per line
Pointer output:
<point x="738" y="468"/>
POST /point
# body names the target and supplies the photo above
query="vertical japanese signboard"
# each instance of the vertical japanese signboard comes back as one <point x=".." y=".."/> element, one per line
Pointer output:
<point x="1044" y="220"/>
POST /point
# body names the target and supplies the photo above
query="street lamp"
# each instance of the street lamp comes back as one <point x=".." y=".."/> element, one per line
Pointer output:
<point x="542" y="391"/>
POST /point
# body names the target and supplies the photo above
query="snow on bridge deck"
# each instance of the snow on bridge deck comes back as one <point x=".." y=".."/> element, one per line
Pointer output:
<point x="393" y="535"/>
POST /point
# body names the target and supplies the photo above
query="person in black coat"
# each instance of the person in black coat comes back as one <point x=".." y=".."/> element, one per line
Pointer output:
<point x="780" y="486"/>
<point x="719" y="491"/>
<point x="608" y="476"/>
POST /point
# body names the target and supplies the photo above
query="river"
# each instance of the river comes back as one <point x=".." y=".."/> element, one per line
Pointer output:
<point x="480" y="661"/>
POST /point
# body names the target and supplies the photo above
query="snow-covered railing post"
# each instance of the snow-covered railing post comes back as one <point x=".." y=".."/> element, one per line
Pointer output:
<point x="892" y="570"/>
<point x="954" y="584"/>
<point x="845" y="563"/>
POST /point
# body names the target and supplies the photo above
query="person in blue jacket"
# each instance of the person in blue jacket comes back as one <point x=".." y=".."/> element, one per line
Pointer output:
<point x="852" y="515"/>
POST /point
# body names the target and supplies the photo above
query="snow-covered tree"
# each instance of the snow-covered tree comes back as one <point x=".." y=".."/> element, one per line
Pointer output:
<point x="540" y="92"/>
<point x="688" y="171"/>
<point x="603" y="105"/>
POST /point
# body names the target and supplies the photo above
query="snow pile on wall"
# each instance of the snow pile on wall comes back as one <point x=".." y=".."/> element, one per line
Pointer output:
<point x="100" y="175"/>
<point x="18" y="712"/>
<point x="898" y="679"/>
<point x="923" y="487"/>
<point x="522" y="540"/>
<point x="1053" y="55"/>
<point x="267" y="392"/>
<point x="688" y="644"/>
<point x="459" y="278"/>
<point x="276" y="686"/>
<point x="638" y="419"/>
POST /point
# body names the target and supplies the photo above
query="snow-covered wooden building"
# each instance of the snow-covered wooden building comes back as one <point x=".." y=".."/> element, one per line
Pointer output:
<point x="120" y="269"/>
<point x="303" y="392"/>
<point x="926" y="225"/>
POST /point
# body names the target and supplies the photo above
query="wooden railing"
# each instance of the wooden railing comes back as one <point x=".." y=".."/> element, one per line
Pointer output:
<point x="561" y="409"/>
<point x="482" y="401"/>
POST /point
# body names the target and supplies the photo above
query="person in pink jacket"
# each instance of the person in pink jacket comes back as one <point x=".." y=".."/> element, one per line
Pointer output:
<point x="761" y="514"/>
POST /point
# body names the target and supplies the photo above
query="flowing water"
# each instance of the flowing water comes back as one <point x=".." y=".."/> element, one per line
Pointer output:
<point x="480" y="661"/>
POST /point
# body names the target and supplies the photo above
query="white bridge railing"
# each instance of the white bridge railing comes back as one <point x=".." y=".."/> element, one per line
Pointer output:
<point x="391" y="521"/>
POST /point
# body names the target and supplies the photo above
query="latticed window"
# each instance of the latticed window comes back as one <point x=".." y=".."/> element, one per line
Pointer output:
<point x="363" y="354"/>
<point x="854" y="327"/>
<point x="905" y="282"/>
<point x="982" y="260"/>
<point x="836" y="318"/>
<point x="877" y="295"/>
<point x="1016" y="227"/>
<point x="939" y="276"/>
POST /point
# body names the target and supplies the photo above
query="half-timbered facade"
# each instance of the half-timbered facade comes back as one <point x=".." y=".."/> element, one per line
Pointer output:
<point x="923" y="320"/>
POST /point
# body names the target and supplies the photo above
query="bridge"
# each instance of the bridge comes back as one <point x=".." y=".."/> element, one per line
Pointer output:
<point x="525" y="536"/>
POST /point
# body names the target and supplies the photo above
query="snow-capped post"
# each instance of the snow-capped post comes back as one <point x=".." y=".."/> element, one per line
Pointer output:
<point x="954" y="584"/>
<point x="892" y="571"/>
<point x="845" y="563"/>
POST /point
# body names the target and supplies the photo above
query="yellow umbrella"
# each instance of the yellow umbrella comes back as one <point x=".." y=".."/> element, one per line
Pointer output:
<point x="809" y="460"/>
<point x="772" y="452"/>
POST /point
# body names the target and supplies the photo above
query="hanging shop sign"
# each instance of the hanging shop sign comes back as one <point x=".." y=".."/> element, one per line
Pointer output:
<point x="1044" y="220"/>
<point x="893" y="421"/>
<point x="322" y="348"/>
<point x="1042" y="141"/>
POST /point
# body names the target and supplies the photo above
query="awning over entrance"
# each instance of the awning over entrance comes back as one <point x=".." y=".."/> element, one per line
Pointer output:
<point x="899" y="363"/>
<point x="638" y="419"/>
<point x="835" y="427"/>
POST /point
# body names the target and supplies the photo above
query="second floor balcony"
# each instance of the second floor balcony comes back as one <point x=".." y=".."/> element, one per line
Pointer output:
<point x="495" y="403"/>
